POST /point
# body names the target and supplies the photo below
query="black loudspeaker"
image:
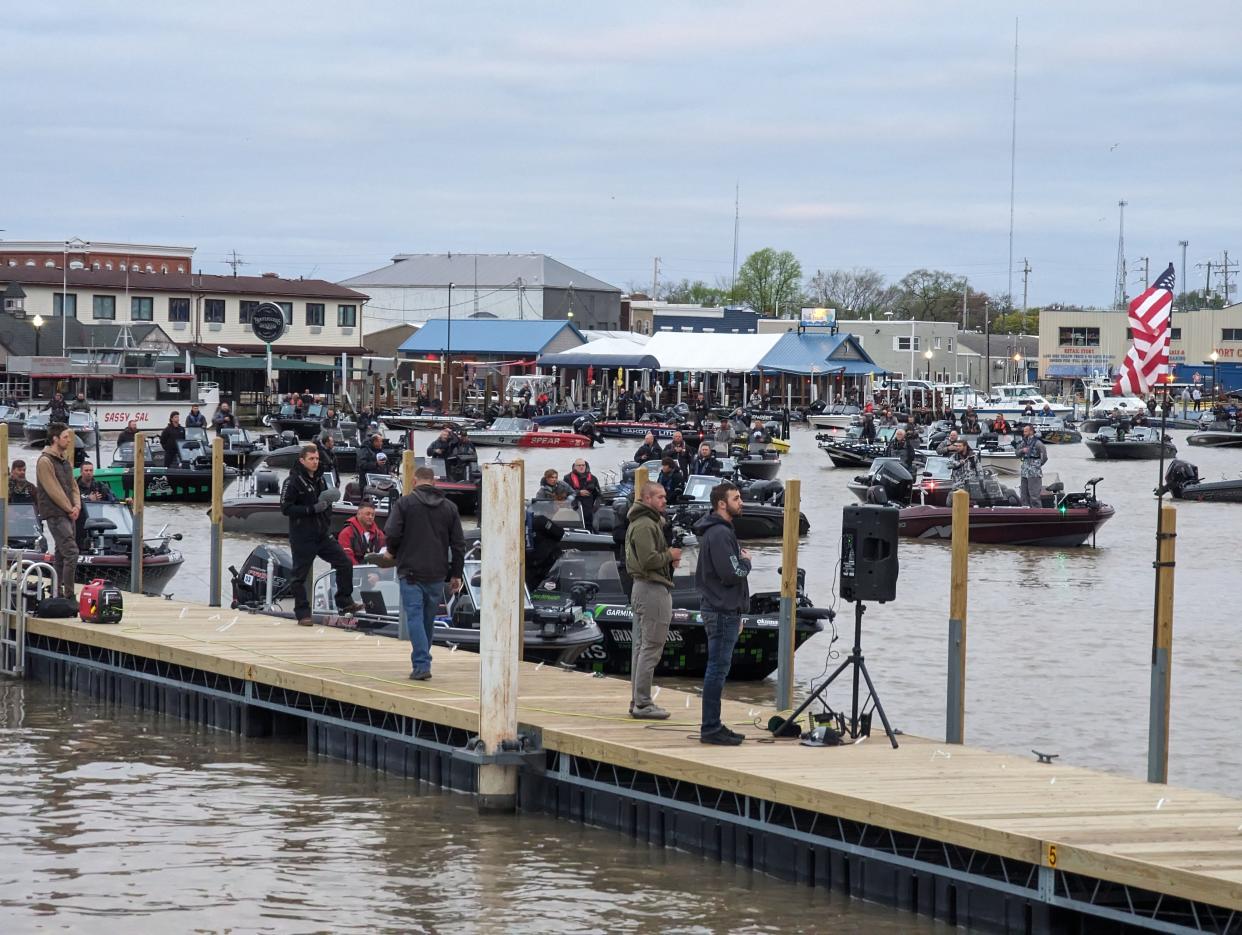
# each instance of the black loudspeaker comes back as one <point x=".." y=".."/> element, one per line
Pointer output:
<point x="869" y="553"/>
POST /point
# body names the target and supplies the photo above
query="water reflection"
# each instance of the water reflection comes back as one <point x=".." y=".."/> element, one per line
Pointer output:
<point x="115" y="820"/>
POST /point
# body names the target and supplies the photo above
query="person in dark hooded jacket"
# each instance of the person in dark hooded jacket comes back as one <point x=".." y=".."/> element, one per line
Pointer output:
<point x="327" y="454"/>
<point x="372" y="459"/>
<point x="706" y="462"/>
<point x="721" y="579"/>
<point x="307" y="500"/>
<point x="426" y="542"/>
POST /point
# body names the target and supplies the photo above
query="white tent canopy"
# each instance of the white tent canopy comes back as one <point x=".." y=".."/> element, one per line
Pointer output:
<point x="710" y="353"/>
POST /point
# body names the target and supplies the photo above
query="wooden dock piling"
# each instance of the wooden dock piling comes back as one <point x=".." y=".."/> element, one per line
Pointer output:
<point x="1162" y="651"/>
<point x="139" y="497"/>
<point x="955" y="709"/>
<point x="500" y="629"/>
<point x="217" y="521"/>
<point x="789" y="596"/>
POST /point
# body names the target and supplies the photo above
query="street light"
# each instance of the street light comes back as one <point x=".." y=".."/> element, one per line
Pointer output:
<point x="1017" y="368"/>
<point x="1213" y="357"/>
<point x="928" y="356"/>
<point x="37" y="321"/>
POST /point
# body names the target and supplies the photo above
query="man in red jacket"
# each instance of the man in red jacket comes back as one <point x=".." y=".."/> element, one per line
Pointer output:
<point x="361" y="535"/>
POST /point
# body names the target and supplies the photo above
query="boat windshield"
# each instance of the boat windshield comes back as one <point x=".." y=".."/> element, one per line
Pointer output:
<point x="23" y="523"/>
<point x="512" y="425"/>
<point x="315" y="411"/>
<point x="116" y="513"/>
<point x="235" y="436"/>
<point x="565" y="514"/>
<point x="699" y="487"/>
<point x="937" y="467"/>
<point x="195" y="433"/>
<point x="80" y="420"/>
<point x="124" y="453"/>
<point x="885" y="433"/>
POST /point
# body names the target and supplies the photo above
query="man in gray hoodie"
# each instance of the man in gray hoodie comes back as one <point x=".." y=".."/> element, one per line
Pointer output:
<point x="650" y="562"/>
<point x="425" y="538"/>
<point x="724" y="595"/>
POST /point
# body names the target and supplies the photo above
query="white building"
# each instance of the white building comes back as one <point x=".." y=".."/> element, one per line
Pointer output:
<point x="417" y="287"/>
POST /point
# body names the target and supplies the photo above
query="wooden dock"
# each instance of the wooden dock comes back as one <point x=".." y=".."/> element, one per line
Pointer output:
<point x="974" y="837"/>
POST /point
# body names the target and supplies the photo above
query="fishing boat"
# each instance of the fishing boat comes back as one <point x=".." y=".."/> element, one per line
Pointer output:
<point x="1182" y="480"/>
<point x="1050" y="430"/>
<point x="241" y="449"/>
<point x="286" y="449"/>
<point x="851" y="451"/>
<point x="254" y="505"/>
<point x="1217" y="435"/>
<point x="1001" y="457"/>
<point x="756" y="465"/>
<point x="105" y="545"/>
<point x="556" y="633"/>
<point x="306" y="423"/>
<point x="188" y="480"/>
<point x="570" y="417"/>
<point x="524" y="433"/>
<point x="1135" y="443"/>
<point x="408" y="419"/>
<point x="757" y="521"/>
<point x="1009" y="400"/>
<point x="82" y="423"/>
<point x="623" y="428"/>
<point x="15" y="419"/>
<point x="839" y="416"/>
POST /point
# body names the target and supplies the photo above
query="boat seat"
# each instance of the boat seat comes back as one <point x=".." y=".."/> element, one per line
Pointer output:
<point x="1057" y="487"/>
<point x="353" y="492"/>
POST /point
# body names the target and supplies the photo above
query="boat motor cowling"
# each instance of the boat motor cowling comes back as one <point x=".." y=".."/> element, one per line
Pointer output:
<point x="250" y="583"/>
<point x="1180" y="475"/>
<point x="266" y="483"/>
<point x="892" y="477"/>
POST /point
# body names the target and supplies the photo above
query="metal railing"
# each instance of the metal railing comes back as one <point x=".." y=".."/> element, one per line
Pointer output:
<point x="23" y="578"/>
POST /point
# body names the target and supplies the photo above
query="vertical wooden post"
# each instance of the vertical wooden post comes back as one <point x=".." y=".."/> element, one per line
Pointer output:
<point x="789" y="596"/>
<point x="217" y="520"/>
<point x="140" y="496"/>
<point x="407" y="470"/>
<point x="640" y="480"/>
<point x="503" y="531"/>
<point x="1162" y="650"/>
<point x="4" y="491"/>
<point x="407" y="484"/>
<point x="521" y="582"/>
<point x="955" y="705"/>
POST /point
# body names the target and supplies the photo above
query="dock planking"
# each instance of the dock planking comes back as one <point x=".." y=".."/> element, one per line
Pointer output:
<point x="1172" y="840"/>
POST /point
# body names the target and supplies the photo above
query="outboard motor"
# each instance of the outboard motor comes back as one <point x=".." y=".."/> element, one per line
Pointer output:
<point x="250" y="583"/>
<point x="893" y="478"/>
<point x="288" y="437"/>
<point x="763" y="491"/>
<point x="1178" y="477"/>
<point x="585" y="425"/>
<point x="462" y="463"/>
<point x="266" y="484"/>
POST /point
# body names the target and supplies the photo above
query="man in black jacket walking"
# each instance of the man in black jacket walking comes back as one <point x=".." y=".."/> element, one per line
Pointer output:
<point x="425" y="538"/>
<point x="724" y="594"/>
<point x="307" y="500"/>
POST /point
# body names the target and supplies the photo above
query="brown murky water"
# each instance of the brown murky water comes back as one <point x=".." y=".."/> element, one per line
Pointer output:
<point x="108" y="813"/>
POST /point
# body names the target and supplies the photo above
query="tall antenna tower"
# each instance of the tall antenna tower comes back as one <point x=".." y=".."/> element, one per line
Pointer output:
<point x="235" y="261"/>
<point x="737" y="215"/>
<point x="1119" y="298"/>
<point x="1013" y="157"/>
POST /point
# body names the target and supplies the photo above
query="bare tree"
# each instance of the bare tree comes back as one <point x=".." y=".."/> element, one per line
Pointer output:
<point x="859" y="292"/>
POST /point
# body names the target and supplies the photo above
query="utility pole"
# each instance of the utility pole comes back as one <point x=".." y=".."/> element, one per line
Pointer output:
<point x="1146" y="261"/>
<point x="1183" y="244"/>
<point x="1026" y="275"/>
<point x="1207" y="286"/>
<point x="521" y="299"/>
<point x="235" y="261"/>
<point x="1226" y="268"/>
<point x="1119" y="297"/>
<point x="965" y="295"/>
<point x="655" y="278"/>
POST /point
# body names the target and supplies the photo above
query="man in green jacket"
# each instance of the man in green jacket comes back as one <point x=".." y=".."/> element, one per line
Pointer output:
<point x="650" y="562"/>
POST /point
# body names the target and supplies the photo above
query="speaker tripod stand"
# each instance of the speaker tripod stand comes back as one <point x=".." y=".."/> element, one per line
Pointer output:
<point x="856" y="726"/>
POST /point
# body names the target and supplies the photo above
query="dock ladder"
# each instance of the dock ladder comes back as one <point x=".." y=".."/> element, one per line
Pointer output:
<point x="23" y="579"/>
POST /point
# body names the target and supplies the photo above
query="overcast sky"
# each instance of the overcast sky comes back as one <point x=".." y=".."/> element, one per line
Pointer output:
<point x="321" y="138"/>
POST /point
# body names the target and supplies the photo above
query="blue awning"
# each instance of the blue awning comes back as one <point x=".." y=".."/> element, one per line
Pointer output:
<point x="855" y="368"/>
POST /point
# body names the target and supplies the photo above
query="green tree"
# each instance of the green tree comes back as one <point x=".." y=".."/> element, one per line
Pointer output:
<point x="931" y="295"/>
<point x="770" y="281"/>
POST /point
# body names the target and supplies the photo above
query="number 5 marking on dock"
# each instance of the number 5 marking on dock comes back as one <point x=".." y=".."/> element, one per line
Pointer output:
<point x="1050" y="855"/>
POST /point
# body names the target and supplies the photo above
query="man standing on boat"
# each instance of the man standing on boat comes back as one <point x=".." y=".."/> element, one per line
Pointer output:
<point x="20" y="489"/>
<point x="59" y="412"/>
<point x="91" y="489"/>
<point x="195" y="420"/>
<point x="307" y="500"/>
<point x="649" y="450"/>
<point x="650" y="562"/>
<point x="128" y="434"/>
<point x="1034" y="455"/>
<point x="426" y="541"/>
<point x="224" y="418"/>
<point x="173" y="432"/>
<point x="372" y="459"/>
<point x="706" y="462"/>
<point x="80" y="404"/>
<point x="721" y="580"/>
<point x="59" y="503"/>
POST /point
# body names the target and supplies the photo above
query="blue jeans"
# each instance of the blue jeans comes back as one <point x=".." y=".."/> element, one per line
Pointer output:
<point x="420" y="602"/>
<point x="722" y="633"/>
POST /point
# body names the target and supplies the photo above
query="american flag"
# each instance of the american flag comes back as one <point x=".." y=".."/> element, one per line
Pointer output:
<point x="1148" y="358"/>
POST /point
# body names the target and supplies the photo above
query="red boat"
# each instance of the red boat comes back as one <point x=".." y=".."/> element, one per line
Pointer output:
<point x="523" y="433"/>
<point x="1009" y="525"/>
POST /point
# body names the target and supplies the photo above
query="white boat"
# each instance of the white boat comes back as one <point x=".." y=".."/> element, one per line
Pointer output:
<point x="835" y="417"/>
<point x="1010" y="399"/>
<point x="1102" y="402"/>
<point x="152" y="414"/>
<point x="1005" y="461"/>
